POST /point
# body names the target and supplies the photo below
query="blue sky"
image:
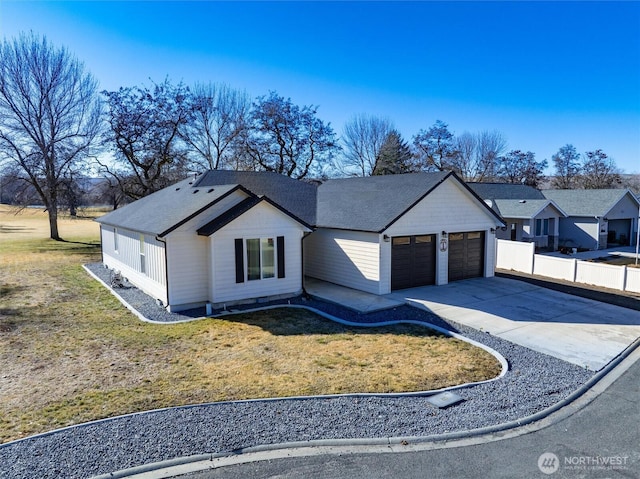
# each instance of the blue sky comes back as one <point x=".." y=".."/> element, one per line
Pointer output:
<point x="543" y="73"/>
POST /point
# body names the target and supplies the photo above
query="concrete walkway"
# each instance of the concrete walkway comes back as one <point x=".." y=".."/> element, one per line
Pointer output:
<point x="578" y="330"/>
<point x="349" y="298"/>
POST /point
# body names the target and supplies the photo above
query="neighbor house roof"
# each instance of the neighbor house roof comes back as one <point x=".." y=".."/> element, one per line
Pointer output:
<point x="587" y="202"/>
<point x="374" y="203"/>
<point x="505" y="191"/>
<point x="165" y="210"/>
<point x="295" y="196"/>
<point x="524" y="209"/>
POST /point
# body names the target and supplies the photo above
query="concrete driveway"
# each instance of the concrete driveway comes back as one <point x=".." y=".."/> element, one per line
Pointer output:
<point x="578" y="330"/>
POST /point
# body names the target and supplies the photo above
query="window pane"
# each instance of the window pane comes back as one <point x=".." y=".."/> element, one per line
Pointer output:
<point x="474" y="235"/>
<point x="456" y="236"/>
<point x="545" y="227"/>
<point x="253" y="259"/>
<point x="268" y="258"/>
<point x="538" y="227"/>
<point x="423" y="239"/>
<point x="398" y="240"/>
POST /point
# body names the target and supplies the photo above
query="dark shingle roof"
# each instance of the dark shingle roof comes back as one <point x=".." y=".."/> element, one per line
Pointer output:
<point x="295" y="196"/>
<point x="587" y="202"/>
<point x="364" y="204"/>
<point x="228" y="216"/>
<point x="163" y="211"/>
<point x="373" y="203"/>
<point x="505" y="191"/>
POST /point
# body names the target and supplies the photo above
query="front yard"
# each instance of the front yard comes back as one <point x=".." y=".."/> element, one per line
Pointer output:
<point x="71" y="353"/>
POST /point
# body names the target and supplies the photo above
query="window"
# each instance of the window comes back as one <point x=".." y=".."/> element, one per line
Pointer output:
<point x="115" y="239"/>
<point x="261" y="258"/>
<point x="264" y="258"/>
<point x="423" y="239"/>
<point x="474" y="235"/>
<point x="401" y="240"/>
<point x="456" y="236"/>
<point x="542" y="227"/>
<point x="142" y="265"/>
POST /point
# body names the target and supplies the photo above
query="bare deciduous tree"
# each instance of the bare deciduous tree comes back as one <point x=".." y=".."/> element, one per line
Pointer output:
<point x="567" y="168"/>
<point x="218" y="120"/>
<point x="363" y="137"/>
<point x="435" y="148"/>
<point x="599" y="171"/>
<point x="287" y="139"/>
<point x="144" y="136"/>
<point x="50" y="116"/>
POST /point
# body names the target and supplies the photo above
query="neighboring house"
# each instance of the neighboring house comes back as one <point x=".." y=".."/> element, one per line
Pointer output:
<point x="596" y="219"/>
<point x="529" y="215"/>
<point x="226" y="237"/>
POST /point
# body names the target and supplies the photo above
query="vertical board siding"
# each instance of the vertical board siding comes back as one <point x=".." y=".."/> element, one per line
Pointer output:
<point x="633" y="280"/>
<point x="608" y="276"/>
<point x="262" y="221"/>
<point x="127" y="260"/>
<point x="347" y="258"/>
<point x="515" y="256"/>
<point x="552" y="267"/>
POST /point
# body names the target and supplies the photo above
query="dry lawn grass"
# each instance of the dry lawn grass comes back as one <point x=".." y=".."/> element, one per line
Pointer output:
<point x="71" y="353"/>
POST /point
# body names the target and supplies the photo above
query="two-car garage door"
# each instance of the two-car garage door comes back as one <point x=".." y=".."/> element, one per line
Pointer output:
<point x="413" y="259"/>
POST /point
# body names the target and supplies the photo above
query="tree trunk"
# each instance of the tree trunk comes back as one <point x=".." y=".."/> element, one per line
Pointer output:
<point x="53" y="223"/>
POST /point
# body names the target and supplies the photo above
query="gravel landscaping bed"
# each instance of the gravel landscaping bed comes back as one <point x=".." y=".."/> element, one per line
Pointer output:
<point x="534" y="381"/>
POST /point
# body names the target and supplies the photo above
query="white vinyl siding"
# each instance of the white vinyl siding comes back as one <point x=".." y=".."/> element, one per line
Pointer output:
<point x="127" y="259"/>
<point x="262" y="221"/>
<point x="449" y="208"/>
<point x="188" y="256"/>
<point x="348" y="258"/>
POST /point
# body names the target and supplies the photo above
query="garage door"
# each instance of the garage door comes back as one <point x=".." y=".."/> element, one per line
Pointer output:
<point x="413" y="261"/>
<point x="466" y="255"/>
<point x="619" y="232"/>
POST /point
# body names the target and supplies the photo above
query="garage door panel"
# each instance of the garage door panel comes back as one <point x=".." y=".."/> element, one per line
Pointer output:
<point x="413" y="261"/>
<point x="466" y="255"/>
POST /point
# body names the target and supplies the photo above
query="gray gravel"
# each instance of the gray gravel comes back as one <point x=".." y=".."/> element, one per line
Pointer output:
<point x="534" y="382"/>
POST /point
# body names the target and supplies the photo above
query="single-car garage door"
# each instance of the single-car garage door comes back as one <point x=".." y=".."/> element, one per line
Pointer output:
<point x="466" y="255"/>
<point x="413" y="261"/>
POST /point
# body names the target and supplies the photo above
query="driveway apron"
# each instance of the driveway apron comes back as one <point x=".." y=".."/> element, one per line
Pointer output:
<point x="578" y="330"/>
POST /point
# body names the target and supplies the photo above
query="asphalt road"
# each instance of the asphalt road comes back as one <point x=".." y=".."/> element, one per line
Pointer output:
<point x="599" y="440"/>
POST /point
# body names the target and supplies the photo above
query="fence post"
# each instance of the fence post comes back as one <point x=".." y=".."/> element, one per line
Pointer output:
<point x="533" y="255"/>
<point x="623" y="286"/>
<point x="575" y="270"/>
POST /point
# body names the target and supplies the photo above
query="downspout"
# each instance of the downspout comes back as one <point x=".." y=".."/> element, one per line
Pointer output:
<point x="637" y="236"/>
<point x="304" y="235"/>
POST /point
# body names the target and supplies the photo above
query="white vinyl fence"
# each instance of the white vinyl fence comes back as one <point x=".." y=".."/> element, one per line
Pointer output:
<point x="515" y="256"/>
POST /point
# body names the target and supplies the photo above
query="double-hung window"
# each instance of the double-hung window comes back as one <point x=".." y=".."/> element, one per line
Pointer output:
<point x="142" y="259"/>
